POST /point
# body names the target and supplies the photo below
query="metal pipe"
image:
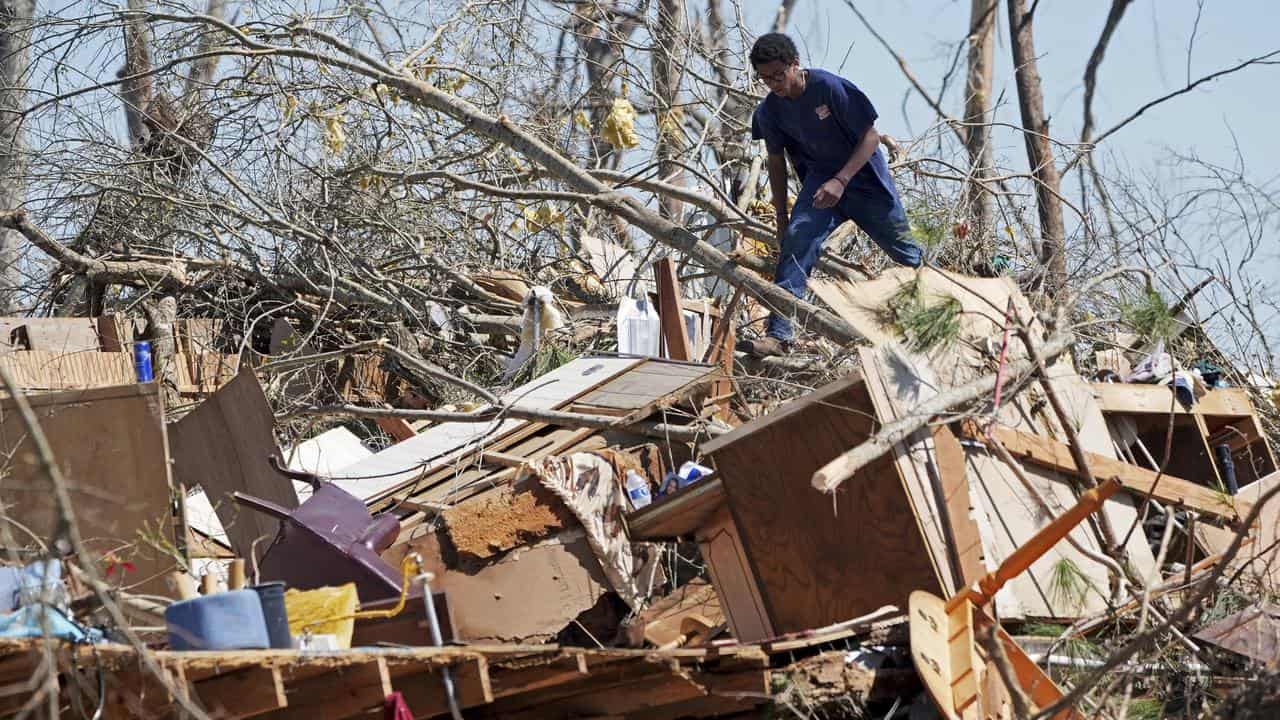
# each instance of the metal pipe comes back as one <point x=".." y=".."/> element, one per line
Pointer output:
<point x="434" y="622"/>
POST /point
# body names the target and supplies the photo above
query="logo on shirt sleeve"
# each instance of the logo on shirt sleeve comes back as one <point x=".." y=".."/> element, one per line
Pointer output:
<point x="823" y="112"/>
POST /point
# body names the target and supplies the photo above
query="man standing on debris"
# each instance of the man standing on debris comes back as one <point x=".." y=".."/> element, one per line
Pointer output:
<point x="827" y="126"/>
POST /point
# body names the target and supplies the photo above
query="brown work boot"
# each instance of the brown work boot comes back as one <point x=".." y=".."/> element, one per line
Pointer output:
<point x="764" y="347"/>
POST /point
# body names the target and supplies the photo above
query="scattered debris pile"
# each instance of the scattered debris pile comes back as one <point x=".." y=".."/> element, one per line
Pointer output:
<point x="617" y="536"/>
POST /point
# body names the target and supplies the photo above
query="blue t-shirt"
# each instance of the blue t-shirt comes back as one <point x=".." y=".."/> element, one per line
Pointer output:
<point x="820" y="130"/>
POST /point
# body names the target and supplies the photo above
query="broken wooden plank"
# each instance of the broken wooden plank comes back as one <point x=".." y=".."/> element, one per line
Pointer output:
<point x="671" y="311"/>
<point x="508" y="681"/>
<point x="1167" y="488"/>
<point x="243" y="693"/>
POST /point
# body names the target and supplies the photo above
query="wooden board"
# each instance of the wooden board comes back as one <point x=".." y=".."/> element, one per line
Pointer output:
<point x="222" y="446"/>
<point x="60" y="334"/>
<point x="734" y="579"/>
<point x="111" y="446"/>
<point x="675" y="341"/>
<point x="1158" y="399"/>
<point x="639" y="391"/>
<point x="44" y="370"/>
<point x="678" y="514"/>
<point x="892" y="396"/>
<point x="820" y="559"/>
<point x="1170" y="489"/>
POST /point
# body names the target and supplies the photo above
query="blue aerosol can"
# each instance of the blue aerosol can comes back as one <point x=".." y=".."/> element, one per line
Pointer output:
<point x="142" y="361"/>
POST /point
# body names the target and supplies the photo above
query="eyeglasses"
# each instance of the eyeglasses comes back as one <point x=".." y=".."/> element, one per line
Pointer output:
<point x="772" y="77"/>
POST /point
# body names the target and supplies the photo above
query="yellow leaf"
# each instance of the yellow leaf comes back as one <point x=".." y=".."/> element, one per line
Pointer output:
<point x="581" y="119"/>
<point x="671" y="123"/>
<point x="538" y="217"/>
<point x="335" y="136"/>
<point x="620" y="126"/>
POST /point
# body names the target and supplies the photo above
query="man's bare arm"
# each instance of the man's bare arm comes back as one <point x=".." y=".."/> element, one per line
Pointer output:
<point x="830" y="192"/>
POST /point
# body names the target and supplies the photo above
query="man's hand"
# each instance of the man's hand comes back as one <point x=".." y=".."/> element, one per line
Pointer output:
<point x="829" y="194"/>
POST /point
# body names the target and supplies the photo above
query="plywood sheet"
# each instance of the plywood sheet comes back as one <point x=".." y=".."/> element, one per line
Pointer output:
<point x="894" y="388"/>
<point x="46" y="370"/>
<point x="819" y="558"/>
<point x="440" y="445"/>
<point x="982" y="300"/>
<point x="222" y="447"/>
<point x="111" y="446"/>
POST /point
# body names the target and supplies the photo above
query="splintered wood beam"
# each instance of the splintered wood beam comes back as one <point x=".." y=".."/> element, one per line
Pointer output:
<point x="329" y="692"/>
<point x="671" y="311"/>
<point x="1167" y="488"/>
<point x="424" y="692"/>
<point x="243" y="693"/>
<point x="397" y="428"/>
<point x="514" y="681"/>
<point x="493" y="457"/>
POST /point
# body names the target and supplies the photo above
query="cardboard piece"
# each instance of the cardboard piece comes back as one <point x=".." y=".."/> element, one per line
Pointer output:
<point x="222" y="447"/>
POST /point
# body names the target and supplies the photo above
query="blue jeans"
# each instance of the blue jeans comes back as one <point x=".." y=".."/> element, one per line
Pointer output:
<point x="877" y="212"/>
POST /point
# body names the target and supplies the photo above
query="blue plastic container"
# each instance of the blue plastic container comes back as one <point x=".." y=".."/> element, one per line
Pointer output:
<point x="223" y="621"/>
<point x="275" y="614"/>
<point x="142" y="361"/>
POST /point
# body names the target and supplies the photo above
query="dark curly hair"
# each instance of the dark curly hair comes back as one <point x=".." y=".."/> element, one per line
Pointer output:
<point x="773" y="46"/>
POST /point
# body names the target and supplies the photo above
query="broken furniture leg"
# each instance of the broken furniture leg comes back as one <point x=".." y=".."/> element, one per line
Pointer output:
<point x="943" y="632"/>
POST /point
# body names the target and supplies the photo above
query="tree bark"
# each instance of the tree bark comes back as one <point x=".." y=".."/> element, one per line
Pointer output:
<point x="15" y="36"/>
<point x="977" y="112"/>
<point x="669" y="43"/>
<point x="1051" y="251"/>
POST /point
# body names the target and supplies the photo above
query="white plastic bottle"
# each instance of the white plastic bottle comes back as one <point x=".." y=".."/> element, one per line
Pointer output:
<point x="637" y="490"/>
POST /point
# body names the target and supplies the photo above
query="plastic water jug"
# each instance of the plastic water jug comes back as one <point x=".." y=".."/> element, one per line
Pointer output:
<point x="639" y="327"/>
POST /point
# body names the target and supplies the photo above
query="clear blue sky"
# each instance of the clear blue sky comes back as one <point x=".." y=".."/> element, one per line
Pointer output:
<point x="1147" y="58"/>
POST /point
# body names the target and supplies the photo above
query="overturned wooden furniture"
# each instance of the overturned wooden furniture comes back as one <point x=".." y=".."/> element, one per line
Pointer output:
<point x="943" y="633"/>
<point x="786" y="558"/>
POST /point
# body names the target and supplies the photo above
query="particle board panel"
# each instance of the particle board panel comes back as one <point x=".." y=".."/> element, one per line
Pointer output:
<point x="1013" y="516"/>
<point x="222" y="447"/>
<point x="982" y="300"/>
<point x="821" y="559"/>
<point x="111" y="446"/>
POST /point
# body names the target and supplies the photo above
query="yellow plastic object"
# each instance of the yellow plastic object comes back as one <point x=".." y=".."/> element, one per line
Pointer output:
<point x="620" y="126"/>
<point x="327" y="610"/>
